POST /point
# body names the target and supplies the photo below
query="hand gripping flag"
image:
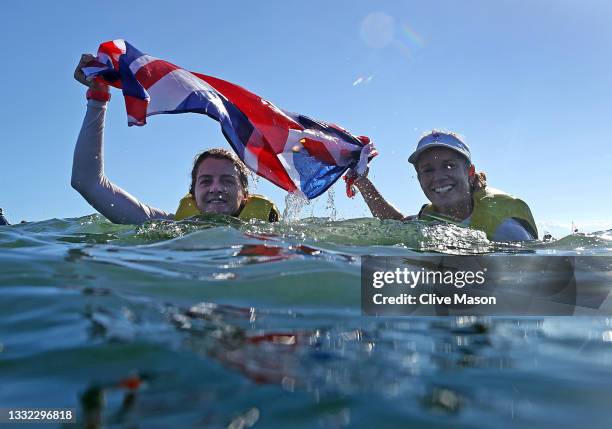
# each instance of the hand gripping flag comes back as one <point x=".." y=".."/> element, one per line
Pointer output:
<point x="290" y="150"/>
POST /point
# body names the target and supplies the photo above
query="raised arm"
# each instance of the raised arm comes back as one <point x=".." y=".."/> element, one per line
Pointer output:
<point x="88" y="177"/>
<point x="379" y="207"/>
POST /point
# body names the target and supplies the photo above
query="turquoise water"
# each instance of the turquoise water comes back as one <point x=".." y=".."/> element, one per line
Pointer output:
<point x="215" y="323"/>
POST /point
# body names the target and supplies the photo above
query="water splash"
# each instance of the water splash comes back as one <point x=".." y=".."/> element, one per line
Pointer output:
<point x="294" y="204"/>
<point x="254" y="180"/>
<point x="363" y="232"/>
<point x="331" y="204"/>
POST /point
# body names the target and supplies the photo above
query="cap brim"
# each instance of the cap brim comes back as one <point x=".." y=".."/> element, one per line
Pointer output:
<point x="415" y="155"/>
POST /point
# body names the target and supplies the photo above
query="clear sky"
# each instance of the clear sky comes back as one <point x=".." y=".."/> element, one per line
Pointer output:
<point x="528" y="83"/>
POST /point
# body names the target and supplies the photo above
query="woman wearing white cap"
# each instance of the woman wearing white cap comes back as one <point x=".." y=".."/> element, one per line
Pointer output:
<point x="457" y="194"/>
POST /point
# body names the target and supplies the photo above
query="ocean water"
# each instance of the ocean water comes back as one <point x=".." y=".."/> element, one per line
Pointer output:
<point x="218" y="323"/>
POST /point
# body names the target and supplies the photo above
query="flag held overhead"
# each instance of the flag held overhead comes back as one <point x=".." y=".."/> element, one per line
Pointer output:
<point x="292" y="151"/>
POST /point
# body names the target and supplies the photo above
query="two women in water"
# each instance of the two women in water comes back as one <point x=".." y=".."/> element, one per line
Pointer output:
<point x="219" y="183"/>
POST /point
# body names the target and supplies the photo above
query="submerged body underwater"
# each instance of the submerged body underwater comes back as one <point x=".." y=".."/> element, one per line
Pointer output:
<point x="220" y="323"/>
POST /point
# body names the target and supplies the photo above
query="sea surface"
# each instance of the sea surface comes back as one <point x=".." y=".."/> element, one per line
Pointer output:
<point x="223" y="324"/>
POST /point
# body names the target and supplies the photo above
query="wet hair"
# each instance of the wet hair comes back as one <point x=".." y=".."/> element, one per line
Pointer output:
<point x="216" y="153"/>
<point x="478" y="181"/>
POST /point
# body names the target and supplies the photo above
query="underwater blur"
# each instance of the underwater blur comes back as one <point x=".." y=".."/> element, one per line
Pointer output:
<point x="218" y="323"/>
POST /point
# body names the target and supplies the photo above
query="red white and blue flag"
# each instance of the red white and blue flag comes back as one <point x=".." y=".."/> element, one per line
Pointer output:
<point x="290" y="150"/>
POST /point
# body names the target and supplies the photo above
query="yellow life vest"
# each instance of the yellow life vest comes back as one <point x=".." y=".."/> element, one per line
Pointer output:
<point x="491" y="208"/>
<point x="256" y="207"/>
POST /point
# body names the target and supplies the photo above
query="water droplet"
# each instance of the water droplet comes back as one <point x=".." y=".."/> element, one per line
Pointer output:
<point x="331" y="205"/>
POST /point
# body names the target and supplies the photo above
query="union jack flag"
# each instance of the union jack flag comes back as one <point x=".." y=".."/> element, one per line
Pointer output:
<point x="290" y="150"/>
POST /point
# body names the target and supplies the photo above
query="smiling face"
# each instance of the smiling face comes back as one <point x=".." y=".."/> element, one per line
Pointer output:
<point x="444" y="178"/>
<point x="217" y="187"/>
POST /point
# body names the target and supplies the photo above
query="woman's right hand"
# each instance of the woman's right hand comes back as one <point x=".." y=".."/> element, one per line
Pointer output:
<point x="94" y="84"/>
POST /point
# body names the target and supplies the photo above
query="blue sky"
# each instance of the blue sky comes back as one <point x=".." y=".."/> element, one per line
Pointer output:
<point x="528" y="84"/>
